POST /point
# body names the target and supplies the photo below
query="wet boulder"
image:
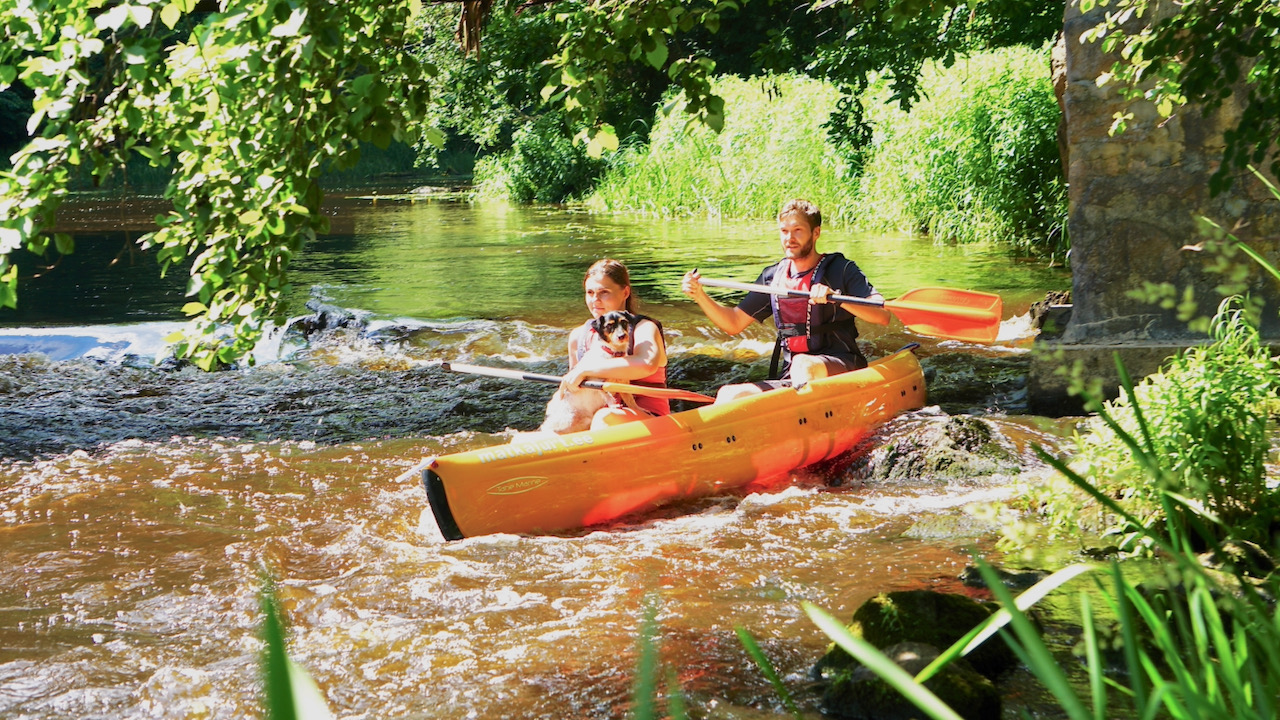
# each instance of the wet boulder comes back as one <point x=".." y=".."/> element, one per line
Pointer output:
<point x="923" y="616"/>
<point x="328" y="317"/>
<point x="939" y="448"/>
<point x="862" y="695"/>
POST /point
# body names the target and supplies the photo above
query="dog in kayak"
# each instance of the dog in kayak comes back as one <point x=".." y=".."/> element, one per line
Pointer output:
<point x="573" y="411"/>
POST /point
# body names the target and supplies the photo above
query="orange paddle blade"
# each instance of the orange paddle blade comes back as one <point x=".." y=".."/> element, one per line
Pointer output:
<point x="966" y="315"/>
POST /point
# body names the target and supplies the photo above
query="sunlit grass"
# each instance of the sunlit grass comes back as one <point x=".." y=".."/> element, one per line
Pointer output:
<point x="975" y="160"/>
<point x="772" y="148"/>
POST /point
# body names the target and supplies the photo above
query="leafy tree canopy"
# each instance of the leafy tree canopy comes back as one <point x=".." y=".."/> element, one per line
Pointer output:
<point x="249" y="104"/>
<point x="250" y="101"/>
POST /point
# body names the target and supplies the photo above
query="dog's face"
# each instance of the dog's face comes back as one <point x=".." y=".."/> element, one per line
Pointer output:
<point x="615" y="329"/>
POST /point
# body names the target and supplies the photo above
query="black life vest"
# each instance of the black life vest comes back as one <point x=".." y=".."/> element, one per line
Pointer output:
<point x="811" y="335"/>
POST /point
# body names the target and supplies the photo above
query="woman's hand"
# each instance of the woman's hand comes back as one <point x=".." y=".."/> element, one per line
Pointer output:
<point x="573" y="379"/>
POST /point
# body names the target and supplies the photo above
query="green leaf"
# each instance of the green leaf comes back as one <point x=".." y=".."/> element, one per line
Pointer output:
<point x="250" y="217"/>
<point x="64" y="243"/>
<point x="135" y="55"/>
<point x="7" y="75"/>
<point x="194" y="308"/>
<point x="170" y="15"/>
<point x="141" y="14"/>
<point x="290" y="27"/>
<point x="436" y="137"/>
<point x="572" y="76"/>
<point x="657" y="57"/>
<point x="604" y="138"/>
<point x="113" y="18"/>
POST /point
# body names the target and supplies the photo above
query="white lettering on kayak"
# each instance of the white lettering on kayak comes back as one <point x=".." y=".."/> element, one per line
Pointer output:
<point x="515" y="486"/>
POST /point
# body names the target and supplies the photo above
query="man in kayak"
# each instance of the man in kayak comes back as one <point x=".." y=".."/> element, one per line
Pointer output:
<point x="816" y="338"/>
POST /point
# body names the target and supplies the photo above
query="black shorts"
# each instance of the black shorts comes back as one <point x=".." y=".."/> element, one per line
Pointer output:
<point x="849" y="363"/>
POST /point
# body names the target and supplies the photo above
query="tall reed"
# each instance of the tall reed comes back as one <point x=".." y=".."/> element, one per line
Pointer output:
<point x="976" y="160"/>
<point x="772" y="148"/>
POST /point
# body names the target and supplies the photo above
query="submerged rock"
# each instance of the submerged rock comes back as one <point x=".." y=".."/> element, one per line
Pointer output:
<point x="863" y="695"/>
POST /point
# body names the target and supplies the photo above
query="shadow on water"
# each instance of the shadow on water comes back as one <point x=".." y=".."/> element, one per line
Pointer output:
<point x="138" y="503"/>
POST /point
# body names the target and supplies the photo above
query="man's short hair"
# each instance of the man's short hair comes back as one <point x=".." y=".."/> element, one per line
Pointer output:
<point x="804" y="209"/>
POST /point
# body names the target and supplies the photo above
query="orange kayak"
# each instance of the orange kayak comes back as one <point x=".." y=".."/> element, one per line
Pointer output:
<point x="594" y="477"/>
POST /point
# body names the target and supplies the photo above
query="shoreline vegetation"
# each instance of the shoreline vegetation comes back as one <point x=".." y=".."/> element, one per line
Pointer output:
<point x="975" y="160"/>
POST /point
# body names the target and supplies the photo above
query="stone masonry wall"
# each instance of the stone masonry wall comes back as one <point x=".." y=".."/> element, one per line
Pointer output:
<point x="1134" y="199"/>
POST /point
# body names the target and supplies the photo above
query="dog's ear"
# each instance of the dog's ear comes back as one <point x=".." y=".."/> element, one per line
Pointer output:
<point x="598" y="324"/>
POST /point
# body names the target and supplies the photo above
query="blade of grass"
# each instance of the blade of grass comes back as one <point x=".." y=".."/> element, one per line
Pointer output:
<point x="1093" y="659"/>
<point x="1031" y="646"/>
<point x="290" y="693"/>
<point x="985" y="629"/>
<point x="646" y="685"/>
<point x="766" y="667"/>
<point x="676" y="709"/>
<point x="883" y="667"/>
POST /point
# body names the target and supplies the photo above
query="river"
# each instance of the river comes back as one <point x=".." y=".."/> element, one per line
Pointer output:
<point x="140" y="507"/>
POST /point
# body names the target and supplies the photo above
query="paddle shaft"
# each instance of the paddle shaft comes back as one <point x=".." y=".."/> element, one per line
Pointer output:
<point x="975" y="313"/>
<point x="752" y="287"/>
<point x="606" y="386"/>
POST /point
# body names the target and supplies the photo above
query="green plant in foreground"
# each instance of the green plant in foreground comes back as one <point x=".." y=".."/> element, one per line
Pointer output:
<point x="1199" y="645"/>
<point x="289" y="693"/>
<point x="1207" y="418"/>
<point x="644" y="705"/>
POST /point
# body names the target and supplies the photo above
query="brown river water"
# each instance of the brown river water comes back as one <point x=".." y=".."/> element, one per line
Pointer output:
<point x="140" y="507"/>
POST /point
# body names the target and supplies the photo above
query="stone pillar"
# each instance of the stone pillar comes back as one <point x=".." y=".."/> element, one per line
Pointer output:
<point x="1134" y="200"/>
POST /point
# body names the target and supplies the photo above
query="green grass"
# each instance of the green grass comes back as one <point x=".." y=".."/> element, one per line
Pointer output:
<point x="976" y="160"/>
<point x="772" y="148"/>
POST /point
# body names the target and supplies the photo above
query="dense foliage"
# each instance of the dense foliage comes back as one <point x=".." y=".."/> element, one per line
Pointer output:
<point x="976" y="158"/>
<point x="668" y="56"/>
<point x="249" y="105"/>
<point x="1205" y="414"/>
<point x="1201" y="52"/>
<point x="766" y="150"/>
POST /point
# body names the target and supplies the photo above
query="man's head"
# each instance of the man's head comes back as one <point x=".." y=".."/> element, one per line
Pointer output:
<point x="802" y="209"/>
<point x="799" y="225"/>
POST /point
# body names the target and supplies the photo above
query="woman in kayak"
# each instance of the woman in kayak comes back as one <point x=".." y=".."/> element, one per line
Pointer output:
<point x="633" y="351"/>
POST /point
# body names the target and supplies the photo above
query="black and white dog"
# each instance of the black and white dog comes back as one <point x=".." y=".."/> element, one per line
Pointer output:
<point x="573" y="411"/>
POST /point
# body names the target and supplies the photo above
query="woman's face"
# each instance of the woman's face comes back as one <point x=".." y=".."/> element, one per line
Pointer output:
<point x="604" y="295"/>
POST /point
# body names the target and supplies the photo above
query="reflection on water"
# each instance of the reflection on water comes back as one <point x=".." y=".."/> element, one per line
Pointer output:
<point x="129" y="574"/>
<point x="432" y="259"/>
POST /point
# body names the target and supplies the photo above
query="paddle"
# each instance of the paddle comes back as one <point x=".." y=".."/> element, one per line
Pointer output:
<point x="938" y="312"/>
<point x="609" y="387"/>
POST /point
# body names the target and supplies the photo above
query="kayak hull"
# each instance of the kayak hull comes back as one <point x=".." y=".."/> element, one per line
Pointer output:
<point x="594" y="477"/>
